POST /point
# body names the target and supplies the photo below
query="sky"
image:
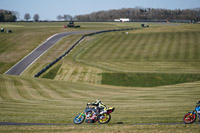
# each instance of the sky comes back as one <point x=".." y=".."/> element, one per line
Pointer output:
<point x="50" y="9"/>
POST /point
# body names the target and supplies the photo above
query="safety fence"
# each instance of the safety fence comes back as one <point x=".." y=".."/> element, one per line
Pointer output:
<point x="69" y="50"/>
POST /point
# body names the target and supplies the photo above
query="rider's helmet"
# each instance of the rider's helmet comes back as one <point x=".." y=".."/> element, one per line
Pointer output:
<point x="198" y="102"/>
<point x="97" y="101"/>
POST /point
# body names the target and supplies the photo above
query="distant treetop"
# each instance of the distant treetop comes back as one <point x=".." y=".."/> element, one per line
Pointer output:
<point x="7" y="16"/>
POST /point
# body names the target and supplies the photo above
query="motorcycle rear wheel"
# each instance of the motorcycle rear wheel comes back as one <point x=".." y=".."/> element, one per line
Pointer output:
<point x="103" y="119"/>
<point x="189" y="118"/>
<point x="79" y="119"/>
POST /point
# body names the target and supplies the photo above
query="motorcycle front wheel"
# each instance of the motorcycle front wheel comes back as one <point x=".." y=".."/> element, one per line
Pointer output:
<point x="189" y="118"/>
<point x="79" y="119"/>
<point x="103" y="119"/>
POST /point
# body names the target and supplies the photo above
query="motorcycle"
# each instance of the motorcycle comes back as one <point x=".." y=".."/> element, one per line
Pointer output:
<point x="92" y="115"/>
<point x="191" y="116"/>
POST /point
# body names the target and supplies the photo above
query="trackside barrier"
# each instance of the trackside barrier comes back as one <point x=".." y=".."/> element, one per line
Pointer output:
<point x="69" y="50"/>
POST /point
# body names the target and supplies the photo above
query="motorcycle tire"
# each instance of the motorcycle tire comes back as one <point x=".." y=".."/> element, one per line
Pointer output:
<point x="106" y="118"/>
<point x="189" y="118"/>
<point x="79" y="119"/>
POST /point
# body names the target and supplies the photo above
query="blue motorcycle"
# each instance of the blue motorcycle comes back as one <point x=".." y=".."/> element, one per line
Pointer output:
<point x="191" y="116"/>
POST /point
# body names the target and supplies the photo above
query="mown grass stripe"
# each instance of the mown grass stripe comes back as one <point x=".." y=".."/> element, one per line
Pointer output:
<point x="97" y="47"/>
<point x="133" y="39"/>
<point x="155" y="50"/>
<point x="23" y="91"/>
<point x="128" y="47"/>
<point x="13" y="90"/>
<point x="3" y="89"/>
<point x="166" y="44"/>
<point x="174" y="45"/>
<point x="190" y="46"/>
<point x="179" y="46"/>
<point x="60" y="92"/>
<point x="121" y="48"/>
<point x="40" y="89"/>
<point x="184" y="43"/>
<point x="146" y="50"/>
<point x="169" y="50"/>
<point x="105" y="46"/>
<point x="113" y="47"/>
<point x="31" y="91"/>
<point x="147" y="55"/>
<point x="51" y="93"/>
<point x="142" y="46"/>
<point x="197" y="47"/>
<point x="136" y="53"/>
<point x="161" y="46"/>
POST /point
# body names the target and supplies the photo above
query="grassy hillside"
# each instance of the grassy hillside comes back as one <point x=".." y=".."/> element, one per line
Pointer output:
<point x="24" y="99"/>
<point x="40" y="100"/>
<point x="27" y="36"/>
<point x="160" y="49"/>
<point x="119" y="50"/>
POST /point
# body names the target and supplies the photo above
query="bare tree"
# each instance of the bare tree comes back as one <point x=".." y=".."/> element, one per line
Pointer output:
<point x="16" y="13"/>
<point x="59" y="17"/>
<point x="144" y="14"/>
<point x="36" y="17"/>
<point x="27" y="16"/>
<point x="67" y="17"/>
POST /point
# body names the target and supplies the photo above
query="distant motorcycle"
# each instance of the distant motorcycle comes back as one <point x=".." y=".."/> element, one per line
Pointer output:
<point x="92" y="115"/>
<point x="191" y="116"/>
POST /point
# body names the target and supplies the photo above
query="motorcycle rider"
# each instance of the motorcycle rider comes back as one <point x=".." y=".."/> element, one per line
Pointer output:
<point x="198" y="104"/>
<point x="100" y="106"/>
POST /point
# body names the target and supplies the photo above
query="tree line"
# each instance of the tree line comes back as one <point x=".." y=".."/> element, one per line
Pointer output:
<point x="8" y="16"/>
<point x="134" y="14"/>
<point x="36" y="17"/>
<point x="142" y="14"/>
<point x="12" y="16"/>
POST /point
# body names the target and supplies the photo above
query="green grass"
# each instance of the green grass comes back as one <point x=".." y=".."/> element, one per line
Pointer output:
<point x="25" y="99"/>
<point x="165" y="50"/>
<point x="27" y="36"/>
<point x="52" y="73"/>
<point x="165" y="47"/>
<point x="147" y="79"/>
<point x="159" y="49"/>
<point x="103" y="128"/>
<point x="40" y="100"/>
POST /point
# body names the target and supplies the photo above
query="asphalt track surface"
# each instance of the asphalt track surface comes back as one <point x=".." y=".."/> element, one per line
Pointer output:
<point x="59" y="124"/>
<point x="23" y="64"/>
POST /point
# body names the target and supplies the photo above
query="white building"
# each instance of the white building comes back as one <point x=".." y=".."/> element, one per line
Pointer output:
<point x="122" y="20"/>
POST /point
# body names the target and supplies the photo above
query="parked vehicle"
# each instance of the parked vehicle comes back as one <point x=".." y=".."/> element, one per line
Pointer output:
<point x="191" y="116"/>
<point x="92" y="115"/>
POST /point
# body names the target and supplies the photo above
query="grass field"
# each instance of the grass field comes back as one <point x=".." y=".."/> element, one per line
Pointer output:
<point x="76" y="79"/>
<point x="27" y="36"/>
<point x="147" y="79"/>
<point x="164" y="49"/>
<point x="103" y="128"/>
<point x="24" y="99"/>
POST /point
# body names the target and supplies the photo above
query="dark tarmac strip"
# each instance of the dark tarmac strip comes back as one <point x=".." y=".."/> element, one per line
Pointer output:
<point x="32" y="124"/>
<point x="23" y="64"/>
<point x="59" y="124"/>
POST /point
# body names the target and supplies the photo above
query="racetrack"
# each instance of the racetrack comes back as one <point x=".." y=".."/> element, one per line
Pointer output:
<point x="23" y="64"/>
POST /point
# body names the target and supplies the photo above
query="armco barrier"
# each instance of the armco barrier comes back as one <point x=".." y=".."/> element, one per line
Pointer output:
<point x="67" y="52"/>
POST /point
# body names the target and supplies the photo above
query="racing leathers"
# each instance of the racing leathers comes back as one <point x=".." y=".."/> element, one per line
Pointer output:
<point x="100" y="106"/>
